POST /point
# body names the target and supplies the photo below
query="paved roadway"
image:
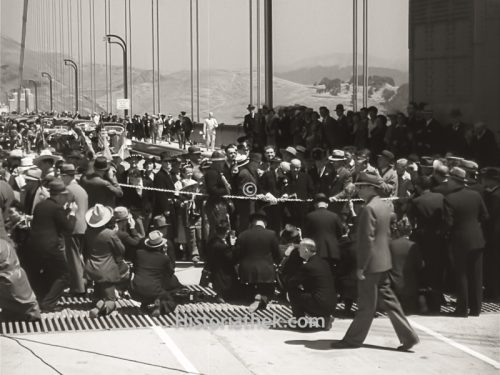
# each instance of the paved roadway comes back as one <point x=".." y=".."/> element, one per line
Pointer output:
<point x="453" y="345"/>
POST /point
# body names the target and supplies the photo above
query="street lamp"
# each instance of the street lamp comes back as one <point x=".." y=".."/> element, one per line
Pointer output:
<point x="75" y="67"/>
<point x="115" y="39"/>
<point x="45" y="74"/>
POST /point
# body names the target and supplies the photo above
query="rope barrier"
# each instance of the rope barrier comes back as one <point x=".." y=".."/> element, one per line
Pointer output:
<point x="258" y="197"/>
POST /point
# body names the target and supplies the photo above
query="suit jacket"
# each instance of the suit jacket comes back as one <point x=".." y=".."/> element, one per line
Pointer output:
<point x="429" y="138"/>
<point x="221" y="262"/>
<point x="406" y="266"/>
<point x="258" y="251"/>
<point x="49" y="224"/>
<point x="374" y="235"/>
<point x="269" y="183"/>
<point x="485" y="149"/>
<point x="427" y="212"/>
<point x="322" y="179"/>
<point x="316" y="278"/>
<point x="324" y="227"/>
<point x="455" y="140"/>
<point x="104" y="252"/>
<point x="249" y="123"/>
<point x="80" y="197"/>
<point x="464" y="212"/>
<point x="331" y="134"/>
<point x="154" y="274"/>
<point x="214" y="184"/>
<point x="163" y="201"/>
<point x="100" y="190"/>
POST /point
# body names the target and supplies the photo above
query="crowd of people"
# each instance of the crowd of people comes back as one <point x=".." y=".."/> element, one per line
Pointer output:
<point x="305" y="207"/>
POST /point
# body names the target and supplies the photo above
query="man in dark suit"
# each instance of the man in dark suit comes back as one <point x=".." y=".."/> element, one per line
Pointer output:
<point x="484" y="146"/>
<point x="164" y="201"/>
<point x="269" y="186"/>
<point x="322" y="172"/>
<point x="46" y="242"/>
<point x="429" y="136"/>
<point x="101" y="186"/>
<point x="311" y="288"/>
<point x="343" y="126"/>
<point x="325" y="228"/>
<point x="299" y="186"/>
<point x="250" y="122"/>
<point x="258" y="252"/>
<point x="373" y="264"/>
<point x="464" y="211"/>
<point x="455" y="135"/>
<point x="427" y="215"/>
<point x="331" y="135"/>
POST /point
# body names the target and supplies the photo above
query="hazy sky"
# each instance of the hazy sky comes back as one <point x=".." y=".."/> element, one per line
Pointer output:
<point x="302" y="29"/>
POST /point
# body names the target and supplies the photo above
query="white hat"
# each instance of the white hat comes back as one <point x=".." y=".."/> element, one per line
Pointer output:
<point x="26" y="163"/>
<point x="17" y="153"/>
<point x="98" y="215"/>
<point x="46" y="154"/>
<point x="337" y="155"/>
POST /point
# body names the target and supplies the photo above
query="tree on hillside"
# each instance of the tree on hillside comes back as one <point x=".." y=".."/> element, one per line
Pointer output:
<point x="333" y="86"/>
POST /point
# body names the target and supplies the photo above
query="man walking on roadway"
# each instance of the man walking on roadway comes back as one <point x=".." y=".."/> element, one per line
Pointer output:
<point x="373" y="263"/>
<point x="209" y="131"/>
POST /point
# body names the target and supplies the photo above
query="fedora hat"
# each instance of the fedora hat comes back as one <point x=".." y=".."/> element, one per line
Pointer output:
<point x="98" y="215"/>
<point x="120" y="213"/>
<point x="159" y="221"/>
<point x="250" y="107"/>
<point x="33" y="174"/>
<point x="389" y="156"/>
<point x="339" y="107"/>
<point x="337" y="155"/>
<point x="469" y="165"/>
<point x="217" y="156"/>
<point x="68" y="169"/>
<point x="26" y="163"/>
<point x="289" y="150"/>
<point x="101" y="163"/>
<point x="458" y="174"/>
<point x="366" y="178"/>
<point x="155" y="239"/>
<point x="16" y="154"/>
<point x="191" y="186"/>
<point x="57" y="187"/>
<point x="194" y="150"/>
<point x="46" y="154"/>
<point x="492" y="173"/>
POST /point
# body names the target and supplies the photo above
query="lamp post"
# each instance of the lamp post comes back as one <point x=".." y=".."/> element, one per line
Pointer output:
<point x="45" y="74"/>
<point x="34" y="83"/>
<point x="115" y="39"/>
<point x="75" y="67"/>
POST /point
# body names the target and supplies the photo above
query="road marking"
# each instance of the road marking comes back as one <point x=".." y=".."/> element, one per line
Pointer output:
<point x="455" y="344"/>
<point x="174" y="349"/>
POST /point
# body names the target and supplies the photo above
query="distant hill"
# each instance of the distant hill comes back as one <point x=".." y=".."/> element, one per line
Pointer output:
<point x="312" y="74"/>
<point x="224" y="92"/>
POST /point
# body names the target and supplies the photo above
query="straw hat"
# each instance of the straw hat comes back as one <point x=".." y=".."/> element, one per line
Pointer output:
<point x="155" y="239"/>
<point x="98" y="215"/>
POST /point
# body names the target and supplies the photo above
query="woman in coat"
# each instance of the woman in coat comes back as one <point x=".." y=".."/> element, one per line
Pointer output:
<point x="104" y="265"/>
<point x="154" y="280"/>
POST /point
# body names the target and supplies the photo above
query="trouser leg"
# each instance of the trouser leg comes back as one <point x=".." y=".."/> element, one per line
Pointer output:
<point x="460" y="263"/>
<point x="367" y="306"/>
<point x="74" y="257"/>
<point x="56" y="269"/>
<point x="475" y="280"/>
<point x="389" y="302"/>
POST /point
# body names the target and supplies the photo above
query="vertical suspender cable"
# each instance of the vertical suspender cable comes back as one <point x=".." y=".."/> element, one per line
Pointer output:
<point x="56" y="49"/>
<point x="80" y="43"/>
<point x="197" y="65"/>
<point x="158" y="52"/>
<point x="250" y="43"/>
<point x="355" y="55"/>
<point x="91" y="73"/>
<point x="106" y="52"/>
<point x="62" y="99"/>
<point x="153" y="52"/>
<point x="93" y="56"/>
<point x="365" y="53"/>
<point x="131" y="80"/>
<point x="258" y="53"/>
<point x="109" y="58"/>
<point x="191" y="55"/>
<point x="125" y="29"/>
<point x="70" y="47"/>
<point x="79" y="55"/>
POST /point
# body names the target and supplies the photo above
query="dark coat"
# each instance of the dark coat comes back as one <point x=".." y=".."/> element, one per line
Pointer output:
<point x="100" y="190"/>
<point x="249" y="124"/>
<point x="316" y="279"/>
<point x="399" y="140"/>
<point x="429" y="138"/>
<point x="427" y="212"/>
<point x="485" y="149"/>
<point x="325" y="228"/>
<point x="104" y="255"/>
<point x="323" y="179"/>
<point x="332" y="136"/>
<point x="464" y="212"/>
<point x="49" y="224"/>
<point x="221" y="264"/>
<point x="455" y="140"/>
<point x="374" y="234"/>
<point x="406" y="267"/>
<point x="163" y="200"/>
<point x="258" y="251"/>
<point x="214" y="184"/>
<point x="154" y="274"/>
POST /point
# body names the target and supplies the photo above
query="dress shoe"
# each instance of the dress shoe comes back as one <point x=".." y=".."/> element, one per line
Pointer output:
<point x="254" y="306"/>
<point x="328" y="323"/>
<point x="157" y="309"/>
<point x="459" y="314"/>
<point x="98" y="309"/>
<point x="343" y="345"/>
<point x="407" y="347"/>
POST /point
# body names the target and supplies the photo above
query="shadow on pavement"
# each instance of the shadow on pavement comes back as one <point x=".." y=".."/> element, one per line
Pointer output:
<point x="325" y="345"/>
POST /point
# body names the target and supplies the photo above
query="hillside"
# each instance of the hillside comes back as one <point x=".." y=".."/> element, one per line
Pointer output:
<point x="223" y="92"/>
